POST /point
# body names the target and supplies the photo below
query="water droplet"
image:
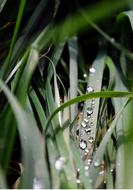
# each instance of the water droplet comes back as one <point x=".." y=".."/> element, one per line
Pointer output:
<point x="60" y="163"/>
<point x="91" y="123"/>
<point x="111" y="170"/>
<point x="91" y="140"/>
<point x="83" y="124"/>
<point x="87" y="173"/>
<point x="109" y="130"/>
<point x="88" y="130"/>
<point x="86" y="120"/>
<point x="97" y="163"/>
<point x="112" y="40"/>
<point x="101" y="172"/>
<point x="90" y="89"/>
<point x="83" y="144"/>
<point x="86" y="150"/>
<point x="93" y="101"/>
<point x="86" y="167"/>
<point x="92" y="70"/>
<point x="84" y="75"/>
<point x="37" y="184"/>
<point x="89" y="161"/>
<point x="89" y="111"/>
<point x="78" y="181"/>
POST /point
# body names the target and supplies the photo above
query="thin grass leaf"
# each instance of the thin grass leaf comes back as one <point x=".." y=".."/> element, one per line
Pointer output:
<point x="19" y="18"/>
<point x="94" y="171"/>
<point x="53" y="156"/>
<point x="38" y="107"/>
<point x="80" y="165"/>
<point x="2" y="180"/>
<point x="58" y="133"/>
<point x="107" y="94"/>
<point x="94" y="84"/>
<point x="76" y="23"/>
<point x="25" y="74"/>
<point x="73" y="74"/>
<point x="2" y="4"/>
<point x="31" y="143"/>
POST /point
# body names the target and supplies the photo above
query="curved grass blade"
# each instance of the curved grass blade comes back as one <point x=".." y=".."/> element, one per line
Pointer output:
<point x="107" y="94"/>
<point x="61" y="144"/>
<point x="32" y="144"/>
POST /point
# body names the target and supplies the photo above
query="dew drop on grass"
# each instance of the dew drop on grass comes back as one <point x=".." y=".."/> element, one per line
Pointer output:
<point x="83" y="144"/>
<point x="83" y="124"/>
<point x="93" y="101"/>
<point x="111" y="170"/>
<point x="86" y="120"/>
<point x="84" y="75"/>
<point x="37" y="184"/>
<point x="97" y="163"/>
<point x="101" y="172"/>
<point x="60" y="163"/>
<point x="78" y="181"/>
<point x="90" y="89"/>
<point x="88" y="130"/>
<point x="89" y="111"/>
<point x="91" y="140"/>
<point x="89" y="161"/>
<point x="86" y="167"/>
<point x="86" y="150"/>
<point x="92" y="70"/>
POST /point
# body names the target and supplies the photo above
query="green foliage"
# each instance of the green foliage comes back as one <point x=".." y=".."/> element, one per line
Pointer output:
<point x="50" y="53"/>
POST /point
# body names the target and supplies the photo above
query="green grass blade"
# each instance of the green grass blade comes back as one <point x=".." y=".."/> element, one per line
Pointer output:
<point x="73" y="74"/>
<point x="32" y="144"/>
<point x="19" y="18"/>
<point x="94" y="171"/>
<point x="39" y="109"/>
<point x="2" y="4"/>
<point x="94" y="82"/>
<point x="107" y="94"/>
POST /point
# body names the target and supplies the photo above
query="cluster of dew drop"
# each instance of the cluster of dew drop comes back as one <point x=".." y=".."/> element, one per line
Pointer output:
<point x="86" y="128"/>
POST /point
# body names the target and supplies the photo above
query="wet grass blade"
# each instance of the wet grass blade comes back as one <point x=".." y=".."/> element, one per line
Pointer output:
<point x="94" y="84"/>
<point x="107" y="94"/>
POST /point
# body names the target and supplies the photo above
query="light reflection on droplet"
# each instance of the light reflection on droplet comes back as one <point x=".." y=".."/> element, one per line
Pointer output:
<point x="84" y="75"/>
<point x="37" y="184"/>
<point x="111" y="170"/>
<point x="101" y="172"/>
<point x="91" y="140"/>
<point x="90" y="89"/>
<point x="97" y="163"/>
<point x="78" y="181"/>
<point x="89" y="111"/>
<point x="60" y="163"/>
<point x="83" y="144"/>
<point x="86" y="167"/>
<point x="83" y="124"/>
<point x="92" y="70"/>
